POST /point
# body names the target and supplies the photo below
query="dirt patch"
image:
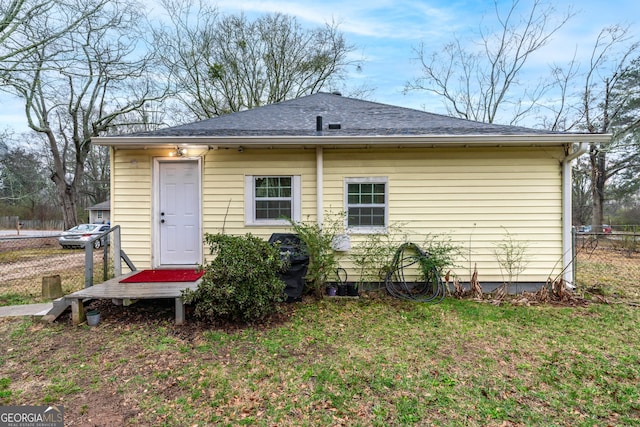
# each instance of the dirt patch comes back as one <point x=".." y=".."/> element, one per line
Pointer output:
<point x="100" y="409"/>
<point x="41" y="266"/>
<point x="163" y="310"/>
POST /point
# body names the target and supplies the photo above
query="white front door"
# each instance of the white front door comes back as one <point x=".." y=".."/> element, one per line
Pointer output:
<point x="178" y="215"/>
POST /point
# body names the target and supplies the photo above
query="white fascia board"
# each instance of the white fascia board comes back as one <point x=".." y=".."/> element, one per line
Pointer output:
<point x="151" y="142"/>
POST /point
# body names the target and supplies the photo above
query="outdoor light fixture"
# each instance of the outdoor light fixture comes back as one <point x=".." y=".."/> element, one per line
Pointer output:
<point x="178" y="152"/>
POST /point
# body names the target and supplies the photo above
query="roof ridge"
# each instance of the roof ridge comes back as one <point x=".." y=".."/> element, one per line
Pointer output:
<point x="297" y="116"/>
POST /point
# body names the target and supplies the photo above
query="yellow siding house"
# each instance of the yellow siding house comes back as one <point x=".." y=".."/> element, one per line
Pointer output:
<point x="428" y="174"/>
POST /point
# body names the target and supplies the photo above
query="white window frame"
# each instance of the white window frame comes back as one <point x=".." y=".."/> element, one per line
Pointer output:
<point x="250" y="201"/>
<point x="367" y="180"/>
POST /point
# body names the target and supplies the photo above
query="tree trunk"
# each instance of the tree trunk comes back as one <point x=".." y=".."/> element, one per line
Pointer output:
<point x="67" y="195"/>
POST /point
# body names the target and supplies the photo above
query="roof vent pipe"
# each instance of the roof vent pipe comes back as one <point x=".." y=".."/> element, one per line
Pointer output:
<point x="319" y="125"/>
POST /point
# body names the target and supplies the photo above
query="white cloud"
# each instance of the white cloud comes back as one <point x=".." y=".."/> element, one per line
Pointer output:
<point x="376" y="18"/>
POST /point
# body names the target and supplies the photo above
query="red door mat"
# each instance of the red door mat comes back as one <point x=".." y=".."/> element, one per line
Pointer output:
<point x="147" y="276"/>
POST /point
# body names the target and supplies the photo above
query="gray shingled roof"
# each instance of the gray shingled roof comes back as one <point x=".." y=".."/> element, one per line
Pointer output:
<point x="297" y="117"/>
<point x="102" y="206"/>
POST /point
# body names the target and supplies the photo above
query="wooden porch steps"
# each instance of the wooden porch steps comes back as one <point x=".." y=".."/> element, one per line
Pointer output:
<point x="59" y="307"/>
<point x="114" y="290"/>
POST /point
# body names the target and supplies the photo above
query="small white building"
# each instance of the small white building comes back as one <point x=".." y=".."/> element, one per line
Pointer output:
<point x="100" y="213"/>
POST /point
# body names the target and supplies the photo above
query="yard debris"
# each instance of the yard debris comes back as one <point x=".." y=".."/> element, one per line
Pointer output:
<point x="500" y="293"/>
<point x="560" y="292"/>
<point x="521" y="300"/>
<point x="552" y="292"/>
<point x="476" y="289"/>
<point x="459" y="291"/>
<point x="541" y="296"/>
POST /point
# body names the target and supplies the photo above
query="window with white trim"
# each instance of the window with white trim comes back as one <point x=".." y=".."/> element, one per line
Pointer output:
<point x="272" y="199"/>
<point x="366" y="204"/>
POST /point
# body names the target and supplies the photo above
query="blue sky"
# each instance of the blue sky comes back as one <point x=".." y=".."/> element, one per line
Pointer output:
<point x="385" y="33"/>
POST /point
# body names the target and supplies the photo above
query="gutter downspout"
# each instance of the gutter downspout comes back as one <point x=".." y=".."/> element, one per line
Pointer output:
<point x="319" y="175"/>
<point x="567" y="234"/>
<point x="319" y="185"/>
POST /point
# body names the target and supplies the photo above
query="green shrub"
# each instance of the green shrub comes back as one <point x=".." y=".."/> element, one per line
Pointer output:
<point x="318" y="245"/>
<point x="510" y="254"/>
<point x="443" y="252"/>
<point x="373" y="255"/>
<point x="241" y="283"/>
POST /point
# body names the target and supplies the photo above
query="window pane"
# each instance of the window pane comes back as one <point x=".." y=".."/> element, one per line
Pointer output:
<point x="261" y="187"/>
<point x="366" y="217"/>
<point x="353" y="193"/>
<point x="273" y="209"/>
<point x="378" y="193"/>
<point x="273" y="186"/>
<point x="366" y="204"/>
<point x="366" y="194"/>
<point x="284" y="187"/>
<point x="273" y="197"/>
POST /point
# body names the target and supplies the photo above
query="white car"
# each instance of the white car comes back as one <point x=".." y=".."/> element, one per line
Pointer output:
<point x="78" y="236"/>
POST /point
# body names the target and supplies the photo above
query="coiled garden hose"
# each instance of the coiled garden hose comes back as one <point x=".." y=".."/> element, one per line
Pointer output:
<point x="426" y="284"/>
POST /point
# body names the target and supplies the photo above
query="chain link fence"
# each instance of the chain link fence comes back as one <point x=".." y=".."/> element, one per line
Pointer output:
<point x="605" y="264"/>
<point x="31" y="258"/>
<point x="609" y="264"/>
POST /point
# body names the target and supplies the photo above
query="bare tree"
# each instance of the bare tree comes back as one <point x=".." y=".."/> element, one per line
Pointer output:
<point x="222" y="64"/>
<point x="581" y="193"/>
<point x="610" y="105"/>
<point x="81" y="84"/>
<point x="561" y="112"/>
<point x="58" y="17"/>
<point x="483" y="84"/>
<point x="184" y="40"/>
<point x="95" y="187"/>
<point x="4" y="139"/>
<point x="23" y="181"/>
<point x="601" y="96"/>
